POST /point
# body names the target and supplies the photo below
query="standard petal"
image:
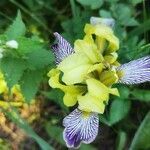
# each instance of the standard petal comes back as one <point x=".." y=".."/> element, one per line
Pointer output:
<point x="75" y="68"/>
<point x="61" y="49"/>
<point x="134" y="72"/>
<point x="89" y="48"/>
<point x="80" y="127"/>
<point x="103" y="33"/>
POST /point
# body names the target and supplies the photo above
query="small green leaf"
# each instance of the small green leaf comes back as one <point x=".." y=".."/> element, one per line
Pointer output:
<point x="118" y="110"/>
<point x="103" y="119"/>
<point x="141" y="138"/>
<point x="142" y="28"/>
<point x="105" y="13"/>
<point x="13" y="70"/>
<point x="141" y="95"/>
<point x="30" y="82"/>
<point x="94" y="4"/>
<point x="28" y="45"/>
<point x="17" y="29"/>
<point x="40" y="58"/>
<point x="135" y="2"/>
<point x="131" y="22"/>
<point x="122" y="12"/>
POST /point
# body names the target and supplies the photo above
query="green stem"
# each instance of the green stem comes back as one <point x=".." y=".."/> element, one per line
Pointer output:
<point x="73" y="8"/>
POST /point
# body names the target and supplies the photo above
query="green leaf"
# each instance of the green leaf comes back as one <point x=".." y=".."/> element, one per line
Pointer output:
<point x="74" y="28"/>
<point x="123" y="13"/>
<point x="122" y="10"/>
<point x="94" y="4"/>
<point x="141" y="95"/>
<point x="105" y="13"/>
<point x="13" y="70"/>
<point x="30" y="82"/>
<point x="103" y="119"/>
<point x="131" y="22"/>
<point x="40" y="58"/>
<point x="55" y="132"/>
<point x="141" y="138"/>
<point x="135" y="2"/>
<point x="124" y="91"/>
<point x="118" y="110"/>
<point x="28" y="45"/>
<point x="14" y="116"/>
<point x="144" y="27"/>
<point x="122" y="137"/>
<point x="144" y="50"/>
<point x="56" y="96"/>
<point x="17" y="29"/>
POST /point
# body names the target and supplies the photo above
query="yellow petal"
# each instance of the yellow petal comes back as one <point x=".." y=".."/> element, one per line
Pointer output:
<point x="97" y="94"/>
<point x="97" y="67"/>
<point x="114" y="91"/>
<point x="108" y="77"/>
<point x="71" y="91"/>
<point x="88" y="47"/>
<point x="70" y="99"/>
<point x="54" y="79"/>
<point x="99" y="90"/>
<point x="104" y="32"/>
<point x="101" y="44"/>
<point x="75" y="68"/>
<point x="90" y="103"/>
<point x="116" y="63"/>
<point x="17" y="92"/>
<point x="111" y="58"/>
<point x="3" y="86"/>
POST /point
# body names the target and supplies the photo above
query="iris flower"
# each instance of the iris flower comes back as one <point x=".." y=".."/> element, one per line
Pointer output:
<point x="86" y="74"/>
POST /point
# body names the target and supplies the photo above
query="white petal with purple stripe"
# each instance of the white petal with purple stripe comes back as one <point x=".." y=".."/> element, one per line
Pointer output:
<point x="136" y="71"/>
<point x="61" y="49"/>
<point x="80" y="127"/>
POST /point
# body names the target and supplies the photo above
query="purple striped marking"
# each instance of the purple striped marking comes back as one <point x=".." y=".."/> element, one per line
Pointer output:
<point x="80" y="128"/>
<point x="61" y="49"/>
<point x="136" y="71"/>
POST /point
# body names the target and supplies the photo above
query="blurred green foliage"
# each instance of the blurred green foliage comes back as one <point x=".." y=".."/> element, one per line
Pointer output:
<point x="28" y="65"/>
